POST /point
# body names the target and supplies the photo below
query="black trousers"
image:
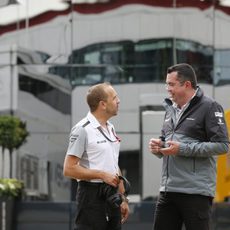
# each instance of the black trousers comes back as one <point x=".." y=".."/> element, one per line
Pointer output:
<point x="93" y="212"/>
<point x="175" y="209"/>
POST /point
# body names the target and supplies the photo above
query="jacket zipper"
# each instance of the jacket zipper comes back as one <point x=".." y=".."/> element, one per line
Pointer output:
<point x="167" y="165"/>
<point x="167" y="173"/>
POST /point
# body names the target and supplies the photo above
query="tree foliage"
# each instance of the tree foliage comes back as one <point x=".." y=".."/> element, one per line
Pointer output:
<point x="13" y="134"/>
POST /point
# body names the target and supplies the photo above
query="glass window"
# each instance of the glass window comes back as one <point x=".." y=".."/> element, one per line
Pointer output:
<point x="199" y="56"/>
<point x="222" y="67"/>
<point x="129" y="62"/>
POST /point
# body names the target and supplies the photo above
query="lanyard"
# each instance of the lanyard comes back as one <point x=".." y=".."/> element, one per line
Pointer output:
<point x="117" y="138"/>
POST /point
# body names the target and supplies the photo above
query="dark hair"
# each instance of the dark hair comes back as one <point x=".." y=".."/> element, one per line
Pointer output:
<point x="185" y="72"/>
<point x="95" y="94"/>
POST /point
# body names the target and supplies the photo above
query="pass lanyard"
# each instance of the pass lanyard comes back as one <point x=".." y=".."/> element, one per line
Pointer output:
<point x="112" y="141"/>
<point x="117" y="138"/>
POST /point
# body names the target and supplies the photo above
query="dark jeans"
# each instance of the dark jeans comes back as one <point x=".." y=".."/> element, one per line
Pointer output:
<point x="93" y="213"/>
<point x="174" y="209"/>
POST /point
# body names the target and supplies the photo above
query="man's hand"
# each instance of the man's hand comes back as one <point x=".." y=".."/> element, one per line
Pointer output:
<point x="155" y="145"/>
<point x="111" y="179"/>
<point x="124" y="211"/>
<point x="171" y="149"/>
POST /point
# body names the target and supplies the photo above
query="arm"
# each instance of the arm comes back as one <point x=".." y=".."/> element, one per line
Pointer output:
<point x="124" y="205"/>
<point x="216" y="133"/>
<point x="203" y="149"/>
<point x="73" y="169"/>
<point x="195" y="149"/>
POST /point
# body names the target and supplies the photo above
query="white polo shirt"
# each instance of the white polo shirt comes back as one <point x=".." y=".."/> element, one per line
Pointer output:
<point x="95" y="149"/>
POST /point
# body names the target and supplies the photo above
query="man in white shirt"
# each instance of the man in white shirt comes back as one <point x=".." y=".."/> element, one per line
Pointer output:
<point x="92" y="159"/>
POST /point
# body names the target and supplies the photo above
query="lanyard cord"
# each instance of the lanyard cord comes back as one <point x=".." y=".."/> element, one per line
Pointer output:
<point x="117" y="138"/>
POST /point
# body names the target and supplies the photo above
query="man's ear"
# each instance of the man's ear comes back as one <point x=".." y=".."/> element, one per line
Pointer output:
<point x="188" y="84"/>
<point x="102" y="104"/>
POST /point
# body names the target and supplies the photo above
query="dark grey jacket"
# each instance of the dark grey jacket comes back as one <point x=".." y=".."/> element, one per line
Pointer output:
<point x="202" y="133"/>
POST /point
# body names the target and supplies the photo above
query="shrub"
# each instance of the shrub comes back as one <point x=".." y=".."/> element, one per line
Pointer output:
<point x="11" y="188"/>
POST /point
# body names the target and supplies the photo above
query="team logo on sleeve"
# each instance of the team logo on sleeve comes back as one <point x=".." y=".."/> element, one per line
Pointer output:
<point x="74" y="138"/>
<point x="218" y="114"/>
<point x="220" y="122"/>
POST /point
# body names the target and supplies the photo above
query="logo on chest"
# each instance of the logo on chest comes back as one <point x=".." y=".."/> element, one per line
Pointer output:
<point x="190" y="119"/>
<point x="101" y="142"/>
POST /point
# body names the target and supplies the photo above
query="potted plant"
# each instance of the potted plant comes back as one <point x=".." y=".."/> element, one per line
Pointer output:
<point x="13" y="134"/>
<point x="10" y="188"/>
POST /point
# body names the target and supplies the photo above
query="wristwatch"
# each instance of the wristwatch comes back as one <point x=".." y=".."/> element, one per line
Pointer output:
<point x="125" y="198"/>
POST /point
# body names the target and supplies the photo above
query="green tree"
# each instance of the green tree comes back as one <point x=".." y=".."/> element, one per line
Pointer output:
<point x="13" y="134"/>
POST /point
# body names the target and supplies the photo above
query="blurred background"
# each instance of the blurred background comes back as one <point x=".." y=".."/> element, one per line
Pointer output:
<point x="51" y="51"/>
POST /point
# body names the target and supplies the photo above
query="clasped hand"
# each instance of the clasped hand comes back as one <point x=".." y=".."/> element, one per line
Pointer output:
<point x="156" y="147"/>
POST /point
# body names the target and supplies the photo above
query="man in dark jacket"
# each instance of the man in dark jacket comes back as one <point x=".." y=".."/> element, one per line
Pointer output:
<point x="194" y="133"/>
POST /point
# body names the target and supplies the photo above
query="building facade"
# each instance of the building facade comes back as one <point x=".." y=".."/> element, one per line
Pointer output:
<point x="48" y="61"/>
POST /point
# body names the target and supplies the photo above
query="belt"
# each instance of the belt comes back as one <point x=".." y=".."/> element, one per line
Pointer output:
<point x="83" y="183"/>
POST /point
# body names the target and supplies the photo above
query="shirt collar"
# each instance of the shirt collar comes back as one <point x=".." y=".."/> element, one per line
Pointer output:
<point x="185" y="105"/>
<point x="93" y="120"/>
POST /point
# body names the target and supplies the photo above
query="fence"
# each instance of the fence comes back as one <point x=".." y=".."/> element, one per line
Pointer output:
<point x="60" y="216"/>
